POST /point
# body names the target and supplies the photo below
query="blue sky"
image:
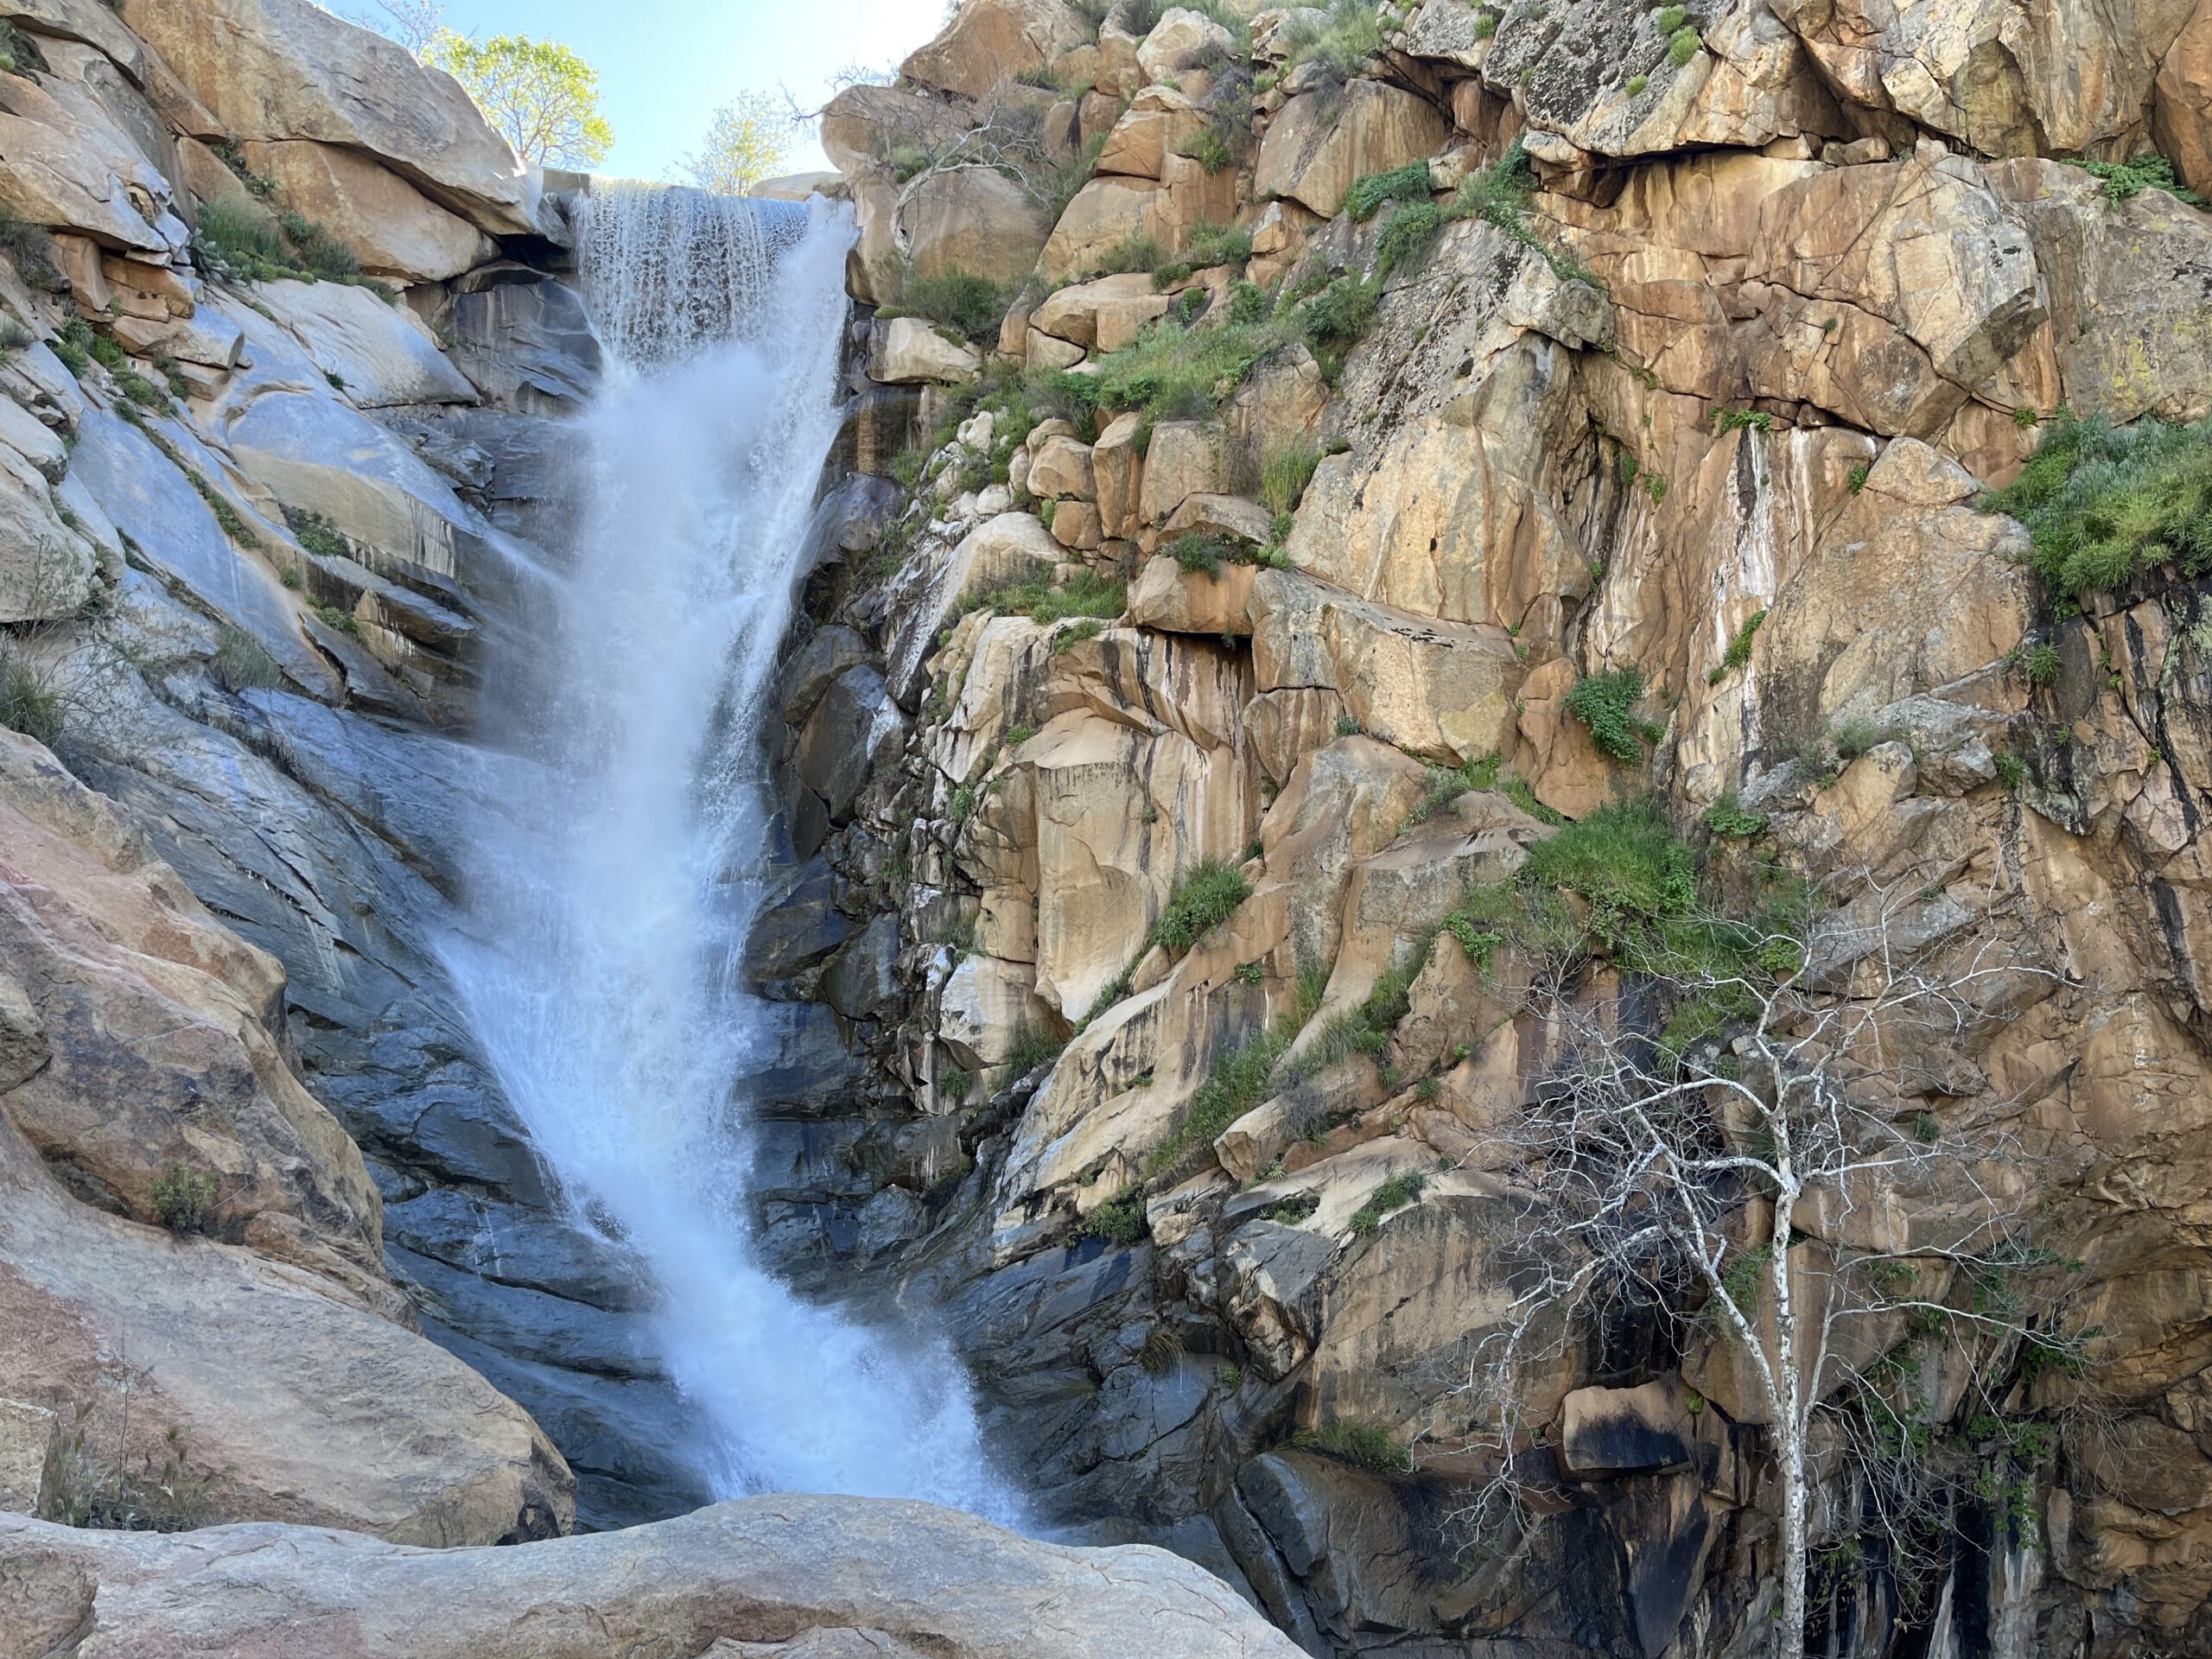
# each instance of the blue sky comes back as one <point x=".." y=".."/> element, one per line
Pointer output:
<point x="665" y="65"/>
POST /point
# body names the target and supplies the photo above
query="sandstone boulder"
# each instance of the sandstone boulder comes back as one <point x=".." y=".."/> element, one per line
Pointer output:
<point x="281" y="71"/>
<point x="1442" y="691"/>
<point x="989" y="40"/>
<point x="971" y="220"/>
<point x="1181" y="40"/>
<point x="1320" y="141"/>
<point x="910" y="351"/>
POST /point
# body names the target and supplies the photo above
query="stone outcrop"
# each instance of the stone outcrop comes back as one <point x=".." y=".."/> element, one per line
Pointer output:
<point x="773" y="1576"/>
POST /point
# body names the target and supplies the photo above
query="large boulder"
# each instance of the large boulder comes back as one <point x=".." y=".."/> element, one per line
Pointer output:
<point x="788" y="1577"/>
<point x="1321" y="141"/>
<point x="395" y="230"/>
<point x="65" y="161"/>
<point x="988" y="40"/>
<point x="972" y="221"/>
<point x="279" y="71"/>
<point x="376" y="353"/>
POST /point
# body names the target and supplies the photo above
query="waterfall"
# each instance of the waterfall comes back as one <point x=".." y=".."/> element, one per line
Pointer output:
<point x="611" y="895"/>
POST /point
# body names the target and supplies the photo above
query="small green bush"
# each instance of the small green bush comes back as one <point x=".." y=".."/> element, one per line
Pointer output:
<point x="1211" y="147"/>
<point x="1682" y="46"/>
<point x="970" y="305"/>
<point x="1670" y="18"/>
<point x="1395" y="1194"/>
<point x="1203" y="899"/>
<point x="1726" y="818"/>
<point x="2149" y="171"/>
<point x="1031" y="1050"/>
<point x="184" y="1197"/>
<point x="1285" y="474"/>
<point x="1199" y="554"/>
<point x="1636" y="84"/>
<point x="1091" y="594"/>
<point x="2011" y="770"/>
<point x="342" y="620"/>
<point x="1857" y="479"/>
<point x="1130" y="253"/>
<point x="1341" y="43"/>
<point x="1121" y="1221"/>
<point x="1371" y="190"/>
<point x="1606" y="704"/>
<point x="32" y="249"/>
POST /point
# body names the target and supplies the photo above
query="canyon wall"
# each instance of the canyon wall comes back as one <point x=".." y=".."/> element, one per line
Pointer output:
<point x="1269" y="425"/>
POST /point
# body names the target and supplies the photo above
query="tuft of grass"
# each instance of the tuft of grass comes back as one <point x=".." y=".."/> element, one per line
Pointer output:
<point x="1284" y="475"/>
<point x="29" y="705"/>
<point x="1091" y="594"/>
<point x="31" y="249"/>
<point x="1394" y="1193"/>
<point x="334" y="618"/>
<point x="1738" y="656"/>
<point x="1682" y="46"/>
<point x="1210" y="245"/>
<point x="1031" y="1050"/>
<point x="1205" y="898"/>
<point x="1857" y="479"/>
<point x="1670" y="18"/>
<point x="1366" y="1444"/>
<point x="1637" y="85"/>
<point x="240" y="663"/>
<point x="2103" y="504"/>
<point x="2011" y="770"/>
<point x="2041" y="662"/>
<point x="1341" y="43"/>
<point x="1241" y="1078"/>
<point x="1606" y="704"/>
<point x="184" y="1197"/>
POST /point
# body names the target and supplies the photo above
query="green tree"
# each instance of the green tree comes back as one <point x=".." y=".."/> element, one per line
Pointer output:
<point x="748" y="140"/>
<point x="541" y="96"/>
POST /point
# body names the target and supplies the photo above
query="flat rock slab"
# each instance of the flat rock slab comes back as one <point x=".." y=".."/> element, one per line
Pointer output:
<point x="797" y="1574"/>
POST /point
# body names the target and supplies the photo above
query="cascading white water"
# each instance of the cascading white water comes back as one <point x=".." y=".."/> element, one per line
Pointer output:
<point x="611" y="898"/>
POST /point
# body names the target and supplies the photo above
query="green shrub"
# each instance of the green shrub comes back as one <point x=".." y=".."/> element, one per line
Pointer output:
<point x="1371" y="190"/>
<point x="1130" y="253"/>
<point x="1366" y="1444"/>
<point x="1405" y="234"/>
<point x="1636" y="84"/>
<point x="74" y="346"/>
<point x="1242" y="1077"/>
<point x="1606" y="704"/>
<point x="1682" y="46"/>
<point x="319" y="251"/>
<point x="1031" y="1050"/>
<point x="1121" y="1221"/>
<point x="1670" y="18"/>
<point x="1857" y="479"/>
<point x="317" y="534"/>
<point x="1199" y="554"/>
<point x="2104" y="503"/>
<point x="2011" y="770"/>
<point x="1341" y="43"/>
<point x="1210" y="245"/>
<point x="1736" y="420"/>
<point x="1248" y="303"/>
<point x="1211" y="147"/>
<point x="1394" y="1193"/>
<point x="1726" y="818"/>
<point x="334" y="618"/>
<point x="970" y="306"/>
<point x="184" y="1197"/>
<point x="2149" y="171"/>
<point x="1202" y="899"/>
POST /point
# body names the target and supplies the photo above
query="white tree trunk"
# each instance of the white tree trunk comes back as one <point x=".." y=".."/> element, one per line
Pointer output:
<point x="1789" y="1620"/>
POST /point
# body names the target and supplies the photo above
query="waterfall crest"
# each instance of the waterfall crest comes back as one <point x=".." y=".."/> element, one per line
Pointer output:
<point x="610" y="900"/>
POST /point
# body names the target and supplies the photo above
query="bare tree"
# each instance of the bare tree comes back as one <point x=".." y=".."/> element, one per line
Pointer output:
<point x="1781" y="1185"/>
